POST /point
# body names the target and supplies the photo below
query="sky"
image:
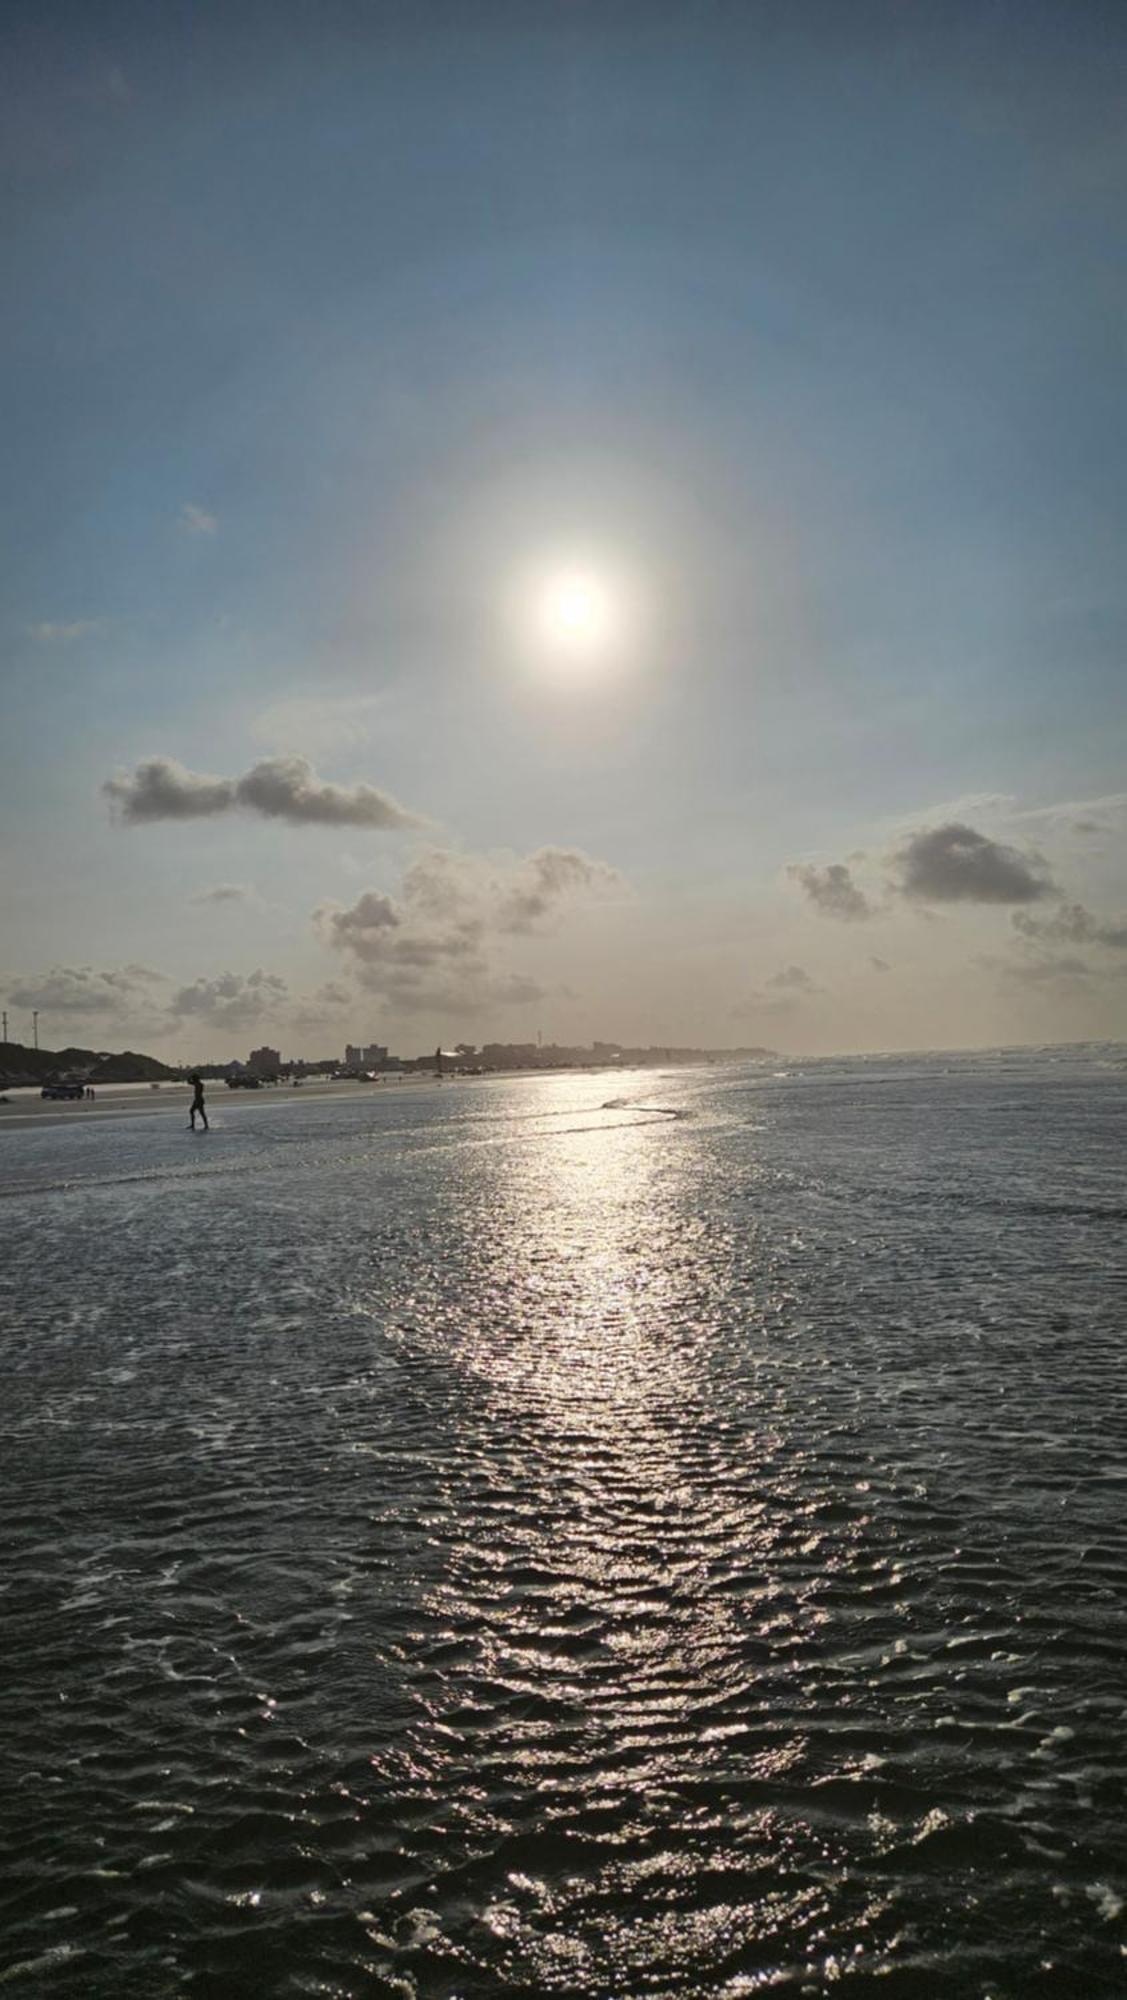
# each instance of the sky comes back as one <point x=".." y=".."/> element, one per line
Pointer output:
<point x="567" y="516"/>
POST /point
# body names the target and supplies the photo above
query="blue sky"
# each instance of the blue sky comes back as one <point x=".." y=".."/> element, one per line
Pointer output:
<point x="343" y="330"/>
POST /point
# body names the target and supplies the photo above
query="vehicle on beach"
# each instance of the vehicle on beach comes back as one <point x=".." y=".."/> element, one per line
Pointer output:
<point x="63" y="1087"/>
<point x="244" y="1083"/>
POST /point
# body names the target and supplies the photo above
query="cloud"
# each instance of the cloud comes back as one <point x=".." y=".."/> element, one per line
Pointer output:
<point x="323" y="724"/>
<point x="955" y="864"/>
<point x="82" y="990"/>
<point x="435" y="943"/>
<point x="276" y="788"/>
<point x="1105" y="814"/>
<point x="1072" y="924"/>
<point x="163" y="789"/>
<point x="515" y="990"/>
<point x="880" y="964"/>
<point x="288" y="788"/>
<point x="223" y="892"/>
<point x="49" y="634"/>
<point x="408" y="951"/>
<point x="231" y="1000"/>
<point x="358" y="929"/>
<point x="832" y="891"/>
<point x="196" y="520"/>
<point x="1070" y="971"/>
<point x="318" y="1012"/>
<point x="548" y="877"/>
<point x="758" y="1007"/>
<point x="780" y="996"/>
<point x="793" y="979"/>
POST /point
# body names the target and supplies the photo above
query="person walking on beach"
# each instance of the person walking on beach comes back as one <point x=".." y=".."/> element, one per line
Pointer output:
<point x="197" y="1103"/>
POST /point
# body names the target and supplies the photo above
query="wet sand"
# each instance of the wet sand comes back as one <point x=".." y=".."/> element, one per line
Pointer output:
<point x="116" y="1100"/>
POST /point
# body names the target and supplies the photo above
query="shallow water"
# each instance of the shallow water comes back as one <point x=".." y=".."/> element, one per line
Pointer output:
<point x="588" y="1535"/>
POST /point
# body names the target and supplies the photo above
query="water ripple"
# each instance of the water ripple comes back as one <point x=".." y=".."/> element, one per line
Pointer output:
<point x="495" y="1546"/>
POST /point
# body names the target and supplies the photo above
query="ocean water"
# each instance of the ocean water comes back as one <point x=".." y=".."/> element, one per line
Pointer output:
<point x="596" y="1535"/>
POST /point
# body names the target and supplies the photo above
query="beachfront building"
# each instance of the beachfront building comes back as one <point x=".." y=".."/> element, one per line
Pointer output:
<point x="264" y="1062"/>
<point x="365" y="1055"/>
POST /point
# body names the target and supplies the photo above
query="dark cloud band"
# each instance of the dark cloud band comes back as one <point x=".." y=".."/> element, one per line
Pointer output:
<point x="285" y="788"/>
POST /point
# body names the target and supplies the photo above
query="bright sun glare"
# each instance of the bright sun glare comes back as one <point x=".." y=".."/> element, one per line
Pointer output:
<point x="576" y="612"/>
<point x="575" y="618"/>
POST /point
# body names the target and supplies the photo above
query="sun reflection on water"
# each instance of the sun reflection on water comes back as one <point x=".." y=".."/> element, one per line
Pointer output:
<point x="600" y="1651"/>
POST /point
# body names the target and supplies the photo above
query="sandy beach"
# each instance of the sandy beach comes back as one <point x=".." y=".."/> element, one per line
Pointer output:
<point x="167" y="1100"/>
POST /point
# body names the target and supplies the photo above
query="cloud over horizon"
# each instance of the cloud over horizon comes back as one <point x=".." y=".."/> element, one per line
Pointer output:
<point x="793" y="979"/>
<point x="80" y="989"/>
<point x="832" y="891"/>
<point x="1072" y="924"/>
<point x="231" y="1000"/>
<point x="955" y="864"/>
<point x="285" y="788"/>
<point x="434" y="944"/>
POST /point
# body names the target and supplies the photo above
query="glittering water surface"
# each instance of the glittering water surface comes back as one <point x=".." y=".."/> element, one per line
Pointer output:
<point x="591" y="1535"/>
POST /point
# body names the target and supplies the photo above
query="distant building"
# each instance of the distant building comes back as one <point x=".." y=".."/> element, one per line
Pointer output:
<point x="365" y="1055"/>
<point x="264" y="1062"/>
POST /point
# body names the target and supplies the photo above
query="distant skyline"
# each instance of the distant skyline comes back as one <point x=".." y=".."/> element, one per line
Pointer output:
<point x="600" y="519"/>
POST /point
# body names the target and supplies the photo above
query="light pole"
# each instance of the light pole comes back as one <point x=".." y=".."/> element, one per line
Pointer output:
<point x="35" y="1025"/>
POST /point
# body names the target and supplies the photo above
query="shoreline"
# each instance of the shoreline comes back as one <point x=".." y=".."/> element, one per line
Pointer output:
<point x="26" y="1109"/>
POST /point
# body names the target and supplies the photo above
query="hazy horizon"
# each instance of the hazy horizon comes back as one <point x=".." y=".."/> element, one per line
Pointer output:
<point x="598" y="521"/>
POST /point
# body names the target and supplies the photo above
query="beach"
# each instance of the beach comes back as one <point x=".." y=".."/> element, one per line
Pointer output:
<point x="593" y="1535"/>
<point x="26" y="1103"/>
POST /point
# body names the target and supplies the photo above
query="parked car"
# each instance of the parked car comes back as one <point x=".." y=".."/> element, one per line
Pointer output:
<point x="63" y="1088"/>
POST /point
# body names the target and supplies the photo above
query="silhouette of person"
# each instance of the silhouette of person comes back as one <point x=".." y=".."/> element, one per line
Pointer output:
<point x="197" y="1103"/>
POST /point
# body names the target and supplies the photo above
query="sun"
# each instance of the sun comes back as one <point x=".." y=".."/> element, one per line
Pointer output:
<point x="576" y="616"/>
<point x="575" y="612"/>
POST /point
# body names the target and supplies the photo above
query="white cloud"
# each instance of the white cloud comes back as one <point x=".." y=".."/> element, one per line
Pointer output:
<point x="1104" y="814"/>
<point x="51" y="634"/>
<point x="230" y="1000"/>
<point x="196" y="520"/>
<point x="83" y="990"/>
<point x="320" y="725"/>
<point x="547" y="878"/>
<point x="436" y="943"/>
